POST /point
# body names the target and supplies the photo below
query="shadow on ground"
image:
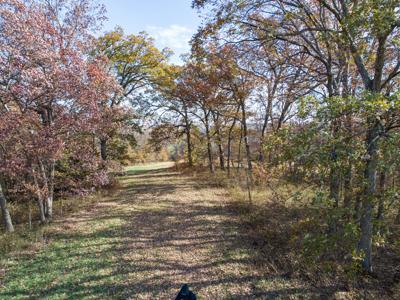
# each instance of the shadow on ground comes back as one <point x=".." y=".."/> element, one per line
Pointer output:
<point x="160" y="230"/>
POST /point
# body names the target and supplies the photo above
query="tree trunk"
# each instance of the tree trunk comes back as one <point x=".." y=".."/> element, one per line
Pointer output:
<point x="398" y="217"/>
<point x="335" y="173"/>
<point x="264" y="129"/>
<point x="42" y="214"/>
<point x="228" y="157"/>
<point x="230" y="147"/>
<point x="8" y="225"/>
<point x="50" y="196"/>
<point x="335" y="185"/>
<point x="209" y="149"/>
<point x="246" y="141"/>
<point x="48" y="181"/>
<point x="365" y="243"/>
<point x="381" y="205"/>
<point x="221" y="156"/>
<point x="189" y="147"/>
<point x="29" y="214"/>
<point x="239" y="157"/>
<point x="347" y="185"/>
<point x="348" y="172"/>
<point x="49" y="207"/>
<point x="188" y="138"/>
<point x="103" y="149"/>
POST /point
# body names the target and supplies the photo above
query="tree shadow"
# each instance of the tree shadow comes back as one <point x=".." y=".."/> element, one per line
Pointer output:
<point x="188" y="235"/>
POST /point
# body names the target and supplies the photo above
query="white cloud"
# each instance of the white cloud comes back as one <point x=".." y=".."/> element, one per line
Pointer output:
<point x="175" y="37"/>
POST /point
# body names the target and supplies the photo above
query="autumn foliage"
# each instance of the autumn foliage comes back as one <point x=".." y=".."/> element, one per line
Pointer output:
<point x="51" y="94"/>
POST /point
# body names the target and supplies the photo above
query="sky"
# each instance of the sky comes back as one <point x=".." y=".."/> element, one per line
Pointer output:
<point x="170" y="22"/>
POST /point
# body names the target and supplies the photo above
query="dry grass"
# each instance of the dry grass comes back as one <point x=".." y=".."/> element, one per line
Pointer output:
<point x="159" y="230"/>
<point x="162" y="228"/>
<point x="275" y="224"/>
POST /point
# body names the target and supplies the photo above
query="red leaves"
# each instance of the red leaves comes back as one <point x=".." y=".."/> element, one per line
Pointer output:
<point x="51" y="91"/>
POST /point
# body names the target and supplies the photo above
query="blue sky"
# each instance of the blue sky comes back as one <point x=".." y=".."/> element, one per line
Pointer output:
<point x="171" y="22"/>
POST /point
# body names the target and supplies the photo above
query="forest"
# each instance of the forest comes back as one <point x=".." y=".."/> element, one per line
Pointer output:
<point x="278" y="134"/>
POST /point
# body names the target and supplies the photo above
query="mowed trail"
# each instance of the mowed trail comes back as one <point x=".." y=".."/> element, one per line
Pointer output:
<point x="181" y="232"/>
<point x="160" y="230"/>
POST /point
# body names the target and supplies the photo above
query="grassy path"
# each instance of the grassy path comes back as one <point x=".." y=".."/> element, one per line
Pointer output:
<point x="158" y="231"/>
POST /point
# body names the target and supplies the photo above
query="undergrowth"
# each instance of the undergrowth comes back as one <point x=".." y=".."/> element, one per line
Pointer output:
<point x="296" y="232"/>
<point x="29" y="233"/>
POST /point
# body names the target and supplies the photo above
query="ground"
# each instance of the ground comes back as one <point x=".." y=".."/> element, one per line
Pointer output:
<point x="158" y="230"/>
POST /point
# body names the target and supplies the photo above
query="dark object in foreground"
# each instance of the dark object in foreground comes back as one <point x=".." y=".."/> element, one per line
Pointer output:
<point x="186" y="294"/>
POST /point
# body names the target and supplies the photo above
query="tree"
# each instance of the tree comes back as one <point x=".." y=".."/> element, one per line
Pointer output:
<point x="136" y="64"/>
<point x="196" y="88"/>
<point x="48" y="85"/>
<point x="382" y="25"/>
<point x="167" y="107"/>
<point x="239" y="84"/>
<point x="5" y="213"/>
<point x="351" y="48"/>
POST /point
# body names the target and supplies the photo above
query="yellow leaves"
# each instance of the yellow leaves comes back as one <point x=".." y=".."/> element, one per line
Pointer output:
<point x="382" y="104"/>
<point x="139" y="49"/>
<point x="135" y="59"/>
<point x="378" y="103"/>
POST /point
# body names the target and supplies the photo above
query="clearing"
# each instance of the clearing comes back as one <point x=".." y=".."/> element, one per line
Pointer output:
<point x="160" y="229"/>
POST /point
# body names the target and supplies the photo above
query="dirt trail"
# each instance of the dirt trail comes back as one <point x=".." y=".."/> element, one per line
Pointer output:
<point x="160" y="230"/>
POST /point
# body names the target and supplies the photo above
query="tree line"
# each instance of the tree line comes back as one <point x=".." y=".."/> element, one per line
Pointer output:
<point x="304" y="89"/>
<point x="65" y="122"/>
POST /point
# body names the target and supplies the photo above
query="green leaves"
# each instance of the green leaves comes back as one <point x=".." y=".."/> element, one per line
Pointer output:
<point x="134" y="59"/>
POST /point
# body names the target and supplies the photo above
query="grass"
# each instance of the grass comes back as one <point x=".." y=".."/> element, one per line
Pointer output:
<point x="65" y="270"/>
<point x="28" y="237"/>
<point x="276" y="222"/>
<point x="75" y="260"/>
<point x="143" y="168"/>
<point x="158" y="230"/>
